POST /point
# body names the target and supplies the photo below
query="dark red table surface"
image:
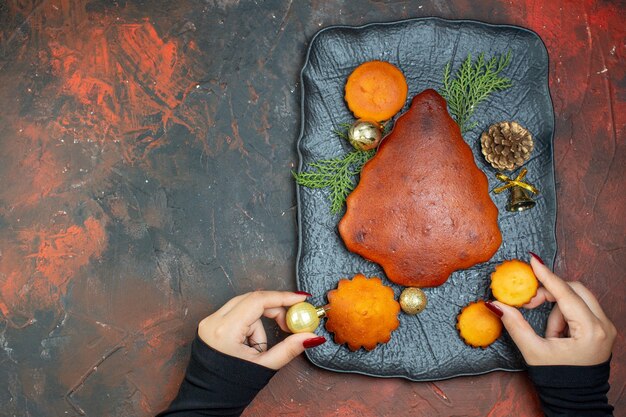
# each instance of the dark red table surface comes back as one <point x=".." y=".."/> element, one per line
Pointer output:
<point x="145" y="157"/>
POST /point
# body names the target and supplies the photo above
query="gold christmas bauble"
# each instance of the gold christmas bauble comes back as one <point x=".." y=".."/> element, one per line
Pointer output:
<point x="304" y="317"/>
<point x="365" y="134"/>
<point x="413" y="300"/>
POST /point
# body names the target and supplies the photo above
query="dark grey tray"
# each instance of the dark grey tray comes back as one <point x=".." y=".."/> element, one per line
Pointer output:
<point x="427" y="346"/>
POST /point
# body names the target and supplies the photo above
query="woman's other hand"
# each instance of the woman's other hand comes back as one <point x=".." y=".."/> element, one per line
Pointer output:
<point x="577" y="333"/>
<point x="236" y="329"/>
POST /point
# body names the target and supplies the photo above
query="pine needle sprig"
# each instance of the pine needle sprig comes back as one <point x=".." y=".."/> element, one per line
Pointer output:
<point x="472" y="84"/>
<point x="343" y="133"/>
<point x="338" y="174"/>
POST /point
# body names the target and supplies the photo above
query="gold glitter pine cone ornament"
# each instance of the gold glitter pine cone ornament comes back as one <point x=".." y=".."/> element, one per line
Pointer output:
<point x="506" y="145"/>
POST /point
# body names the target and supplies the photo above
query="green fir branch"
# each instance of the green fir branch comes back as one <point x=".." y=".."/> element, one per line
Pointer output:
<point x="472" y="84"/>
<point x="338" y="174"/>
<point x="343" y="134"/>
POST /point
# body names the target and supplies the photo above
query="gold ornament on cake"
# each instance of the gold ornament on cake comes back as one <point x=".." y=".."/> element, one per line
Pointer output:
<point x="506" y="145"/>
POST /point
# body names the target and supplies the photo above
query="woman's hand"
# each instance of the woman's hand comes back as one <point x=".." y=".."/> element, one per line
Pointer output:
<point x="236" y="329"/>
<point x="578" y="332"/>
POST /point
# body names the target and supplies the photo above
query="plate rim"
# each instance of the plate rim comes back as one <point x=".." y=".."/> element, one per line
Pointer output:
<point x="545" y="86"/>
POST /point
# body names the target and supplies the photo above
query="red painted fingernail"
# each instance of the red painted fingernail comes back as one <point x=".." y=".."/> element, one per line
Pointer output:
<point x="314" y="341"/>
<point x="494" y="308"/>
<point x="534" y="255"/>
<point x="303" y="293"/>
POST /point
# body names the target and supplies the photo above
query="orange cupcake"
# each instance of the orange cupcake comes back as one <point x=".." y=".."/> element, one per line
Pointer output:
<point x="477" y="325"/>
<point x="376" y="90"/>
<point x="514" y="283"/>
<point x="362" y="312"/>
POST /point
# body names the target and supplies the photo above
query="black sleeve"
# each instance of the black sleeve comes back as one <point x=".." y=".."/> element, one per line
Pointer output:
<point x="217" y="384"/>
<point x="573" y="390"/>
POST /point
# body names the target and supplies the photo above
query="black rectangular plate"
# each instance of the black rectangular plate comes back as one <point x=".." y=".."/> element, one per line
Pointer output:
<point x="427" y="346"/>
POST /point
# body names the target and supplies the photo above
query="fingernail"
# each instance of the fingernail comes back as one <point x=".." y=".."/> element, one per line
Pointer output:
<point x="534" y="255"/>
<point x="314" y="341"/>
<point x="494" y="308"/>
<point x="303" y="293"/>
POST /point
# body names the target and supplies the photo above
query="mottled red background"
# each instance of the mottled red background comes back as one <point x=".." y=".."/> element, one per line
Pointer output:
<point x="145" y="156"/>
